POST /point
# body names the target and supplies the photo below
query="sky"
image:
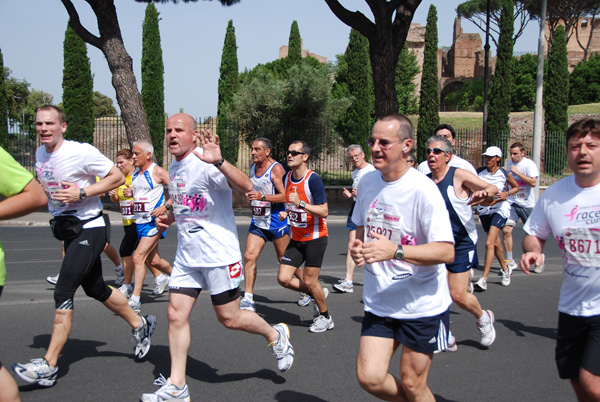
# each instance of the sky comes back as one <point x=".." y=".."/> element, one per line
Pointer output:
<point x="32" y="34"/>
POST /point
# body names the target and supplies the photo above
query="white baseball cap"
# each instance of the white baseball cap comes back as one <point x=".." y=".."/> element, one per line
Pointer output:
<point x="493" y="151"/>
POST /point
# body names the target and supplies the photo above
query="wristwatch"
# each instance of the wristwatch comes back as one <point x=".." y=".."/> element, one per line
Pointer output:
<point x="263" y="198"/>
<point x="82" y="194"/>
<point x="302" y="204"/>
<point x="399" y="254"/>
<point x="168" y="207"/>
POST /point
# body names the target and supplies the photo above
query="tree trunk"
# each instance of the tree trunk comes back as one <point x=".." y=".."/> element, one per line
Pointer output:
<point x="120" y="64"/>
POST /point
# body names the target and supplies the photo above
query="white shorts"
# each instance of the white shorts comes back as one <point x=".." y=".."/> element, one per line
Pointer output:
<point x="214" y="279"/>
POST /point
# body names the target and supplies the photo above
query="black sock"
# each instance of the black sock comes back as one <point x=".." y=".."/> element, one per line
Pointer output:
<point x="325" y="314"/>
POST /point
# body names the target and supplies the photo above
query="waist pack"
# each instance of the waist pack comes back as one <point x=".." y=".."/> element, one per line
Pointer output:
<point x="68" y="227"/>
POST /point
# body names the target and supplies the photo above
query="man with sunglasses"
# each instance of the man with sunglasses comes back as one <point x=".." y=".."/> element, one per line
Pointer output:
<point x="460" y="188"/>
<point x="447" y="131"/>
<point x="404" y="238"/>
<point x="306" y="210"/>
<point x="357" y="156"/>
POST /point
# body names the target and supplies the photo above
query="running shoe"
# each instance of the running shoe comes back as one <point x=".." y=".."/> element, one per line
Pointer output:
<point x="506" y="276"/>
<point x="316" y="311"/>
<point x="125" y="290"/>
<point x="142" y="336"/>
<point x="452" y="346"/>
<point x="321" y="324"/>
<point x="511" y="264"/>
<point x="481" y="284"/>
<point x="160" y="283"/>
<point x="120" y="276"/>
<point x="167" y="392"/>
<point x="344" y="287"/>
<point x="540" y="269"/>
<point x="246" y="304"/>
<point x="136" y="306"/>
<point x="282" y="348"/>
<point x="38" y="371"/>
<point x="304" y="299"/>
<point x="52" y="279"/>
<point x="486" y="329"/>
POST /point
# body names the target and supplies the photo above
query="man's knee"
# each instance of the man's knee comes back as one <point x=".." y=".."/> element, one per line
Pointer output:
<point x="284" y="278"/>
<point x="250" y="256"/>
<point x="507" y="230"/>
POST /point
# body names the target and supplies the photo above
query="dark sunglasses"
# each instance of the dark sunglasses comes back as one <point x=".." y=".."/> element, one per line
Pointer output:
<point x="436" y="151"/>
<point x="295" y="153"/>
<point x="384" y="144"/>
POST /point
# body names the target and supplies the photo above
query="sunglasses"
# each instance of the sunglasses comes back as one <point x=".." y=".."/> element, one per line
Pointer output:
<point x="295" y="153"/>
<point x="436" y="151"/>
<point x="383" y="144"/>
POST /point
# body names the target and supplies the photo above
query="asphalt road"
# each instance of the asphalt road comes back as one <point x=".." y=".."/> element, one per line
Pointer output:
<point x="223" y="365"/>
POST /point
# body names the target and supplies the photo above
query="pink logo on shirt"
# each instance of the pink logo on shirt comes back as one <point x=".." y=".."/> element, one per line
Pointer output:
<point x="572" y="214"/>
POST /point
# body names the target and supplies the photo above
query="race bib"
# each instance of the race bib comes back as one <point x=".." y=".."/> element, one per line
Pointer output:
<point x="126" y="209"/>
<point x="385" y="223"/>
<point x="52" y="186"/>
<point x="297" y="216"/>
<point x="261" y="208"/>
<point x="140" y="207"/>
<point x="583" y="246"/>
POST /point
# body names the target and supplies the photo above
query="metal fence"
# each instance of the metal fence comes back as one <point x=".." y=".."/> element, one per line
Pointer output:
<point x="328" y="151"/>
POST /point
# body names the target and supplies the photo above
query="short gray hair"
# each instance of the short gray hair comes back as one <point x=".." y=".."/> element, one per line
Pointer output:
<point x="447" y="147"/>
<point x="355" y="146"/>
<point x="145" y="145"/>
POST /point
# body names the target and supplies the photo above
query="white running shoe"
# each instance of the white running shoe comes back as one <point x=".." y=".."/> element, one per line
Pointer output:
<point x="486" y="329"/>
<point x="167" y="392"/>
<point x="481" y="284"/>
<point x="540" y="269"/>
<point x="52" y="279"/>
<point x="120" y="275"/>
<point x="160" y="282"/>
<point x="246" y="304"/>
<point x="452" y="346"/>
<point x="511" y="264"/>
<point x="38" y="371"/>
<point x="304" y="299"/>
<point x="137" y="307"/>
<point x="344" y="287"/>
<point x="505" y="276"/>
<point x="282" y="348"/>
<point x="316" y="311"/>
<point x="125" y="290"/>
<point x="321" y="324"/>
<point x="142" y="337"/>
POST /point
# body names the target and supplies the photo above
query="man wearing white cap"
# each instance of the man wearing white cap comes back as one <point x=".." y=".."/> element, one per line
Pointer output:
<point x="493" y="214"/>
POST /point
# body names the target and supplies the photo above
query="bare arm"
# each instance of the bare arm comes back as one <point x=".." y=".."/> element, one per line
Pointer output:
<point x="161" y="177"/>
<point x="383" y="249"/>
<point x="532" y="246"/>
<point x="481" y="189"/>
<point x="530" y="181"/>
<point x="277" y="177"/>
<point x="30" y="199"/>
<point x="70" y="192"/>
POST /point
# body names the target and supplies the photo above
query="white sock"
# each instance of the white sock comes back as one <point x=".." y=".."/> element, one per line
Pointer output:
<point x="119" y="268"/>
<point x="485" y="317"/>
<point x="509" y="256"/>
<point x="249" y="296"/>
<point x="136" y="299"/>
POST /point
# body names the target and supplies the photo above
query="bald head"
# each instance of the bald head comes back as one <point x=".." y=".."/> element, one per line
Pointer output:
<point x="185" y="119"/>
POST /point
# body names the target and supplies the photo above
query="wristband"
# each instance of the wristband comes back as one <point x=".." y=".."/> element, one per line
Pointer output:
<point x="218" y="165"/>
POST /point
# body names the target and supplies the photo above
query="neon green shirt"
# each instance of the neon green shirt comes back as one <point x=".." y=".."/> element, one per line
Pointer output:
<point x="13" y="179"/>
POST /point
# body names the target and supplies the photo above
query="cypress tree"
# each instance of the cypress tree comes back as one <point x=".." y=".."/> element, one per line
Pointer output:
<point x="3" y="105"/>
<point x="228" y="83"/>
<point x="406" y="70"/>
<point x="294" y="46"/>
<point x="78" y="89"/>
<point x="429" y="104"/>
<point x="499" y="106"/>
<point x="556" y="101"/>
<point x="355" y="125"/>
<point x="153" y="83"/>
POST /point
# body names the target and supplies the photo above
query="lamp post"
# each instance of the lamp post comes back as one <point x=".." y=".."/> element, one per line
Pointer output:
<point x="486" y="75"/>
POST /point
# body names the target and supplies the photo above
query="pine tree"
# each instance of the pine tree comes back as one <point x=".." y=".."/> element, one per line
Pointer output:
<point x="556" y="101"/>
<point x="153" y="82"/>
<point x="429" y="104"/>
<point x="406" y="70"/>
<point x="294" y="56"/>
<point x="228" y="83"/>
<point x="3" y="105"/>
<point x="499" y="103"/>
<point x="355" y="125"/>
<point x="78" y="89"/>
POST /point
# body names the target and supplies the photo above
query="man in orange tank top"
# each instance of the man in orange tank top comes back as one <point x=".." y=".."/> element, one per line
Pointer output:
<point x="306" y="210"/>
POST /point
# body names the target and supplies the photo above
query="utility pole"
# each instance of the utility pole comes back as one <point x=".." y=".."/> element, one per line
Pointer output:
<point x="539" y="93"/>
<point x="486" y="81"/>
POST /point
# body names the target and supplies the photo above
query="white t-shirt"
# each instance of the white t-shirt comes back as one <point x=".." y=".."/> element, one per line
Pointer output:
<point x="525" y="197"/>
<point x="411" y="211"/>
<point x="456" y="161"/>
<point x="202" y="204"/>
<point x="498" y="179"/>
<point x="77" y="163"/>
<point x="572" y="215"/>
<point x="357" y="174"/>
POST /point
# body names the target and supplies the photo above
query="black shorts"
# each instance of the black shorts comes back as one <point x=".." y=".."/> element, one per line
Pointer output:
<point x="107" y="223"/>
<point x="309" y="252"/>
<point x="577" y="345"/>
<point x="217" y="300"/>
<point x="129" y="242"/>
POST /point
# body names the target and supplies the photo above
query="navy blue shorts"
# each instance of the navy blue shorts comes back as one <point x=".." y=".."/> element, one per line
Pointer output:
<point x="423" y="335"/>
<point x="463" y="261"/>
<point x="349" y="224"/>
<point x="269" y="235"/>
<point x="518" y="212"/>
<point x="577" y="345"/>
<point x="496" y="220"/>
